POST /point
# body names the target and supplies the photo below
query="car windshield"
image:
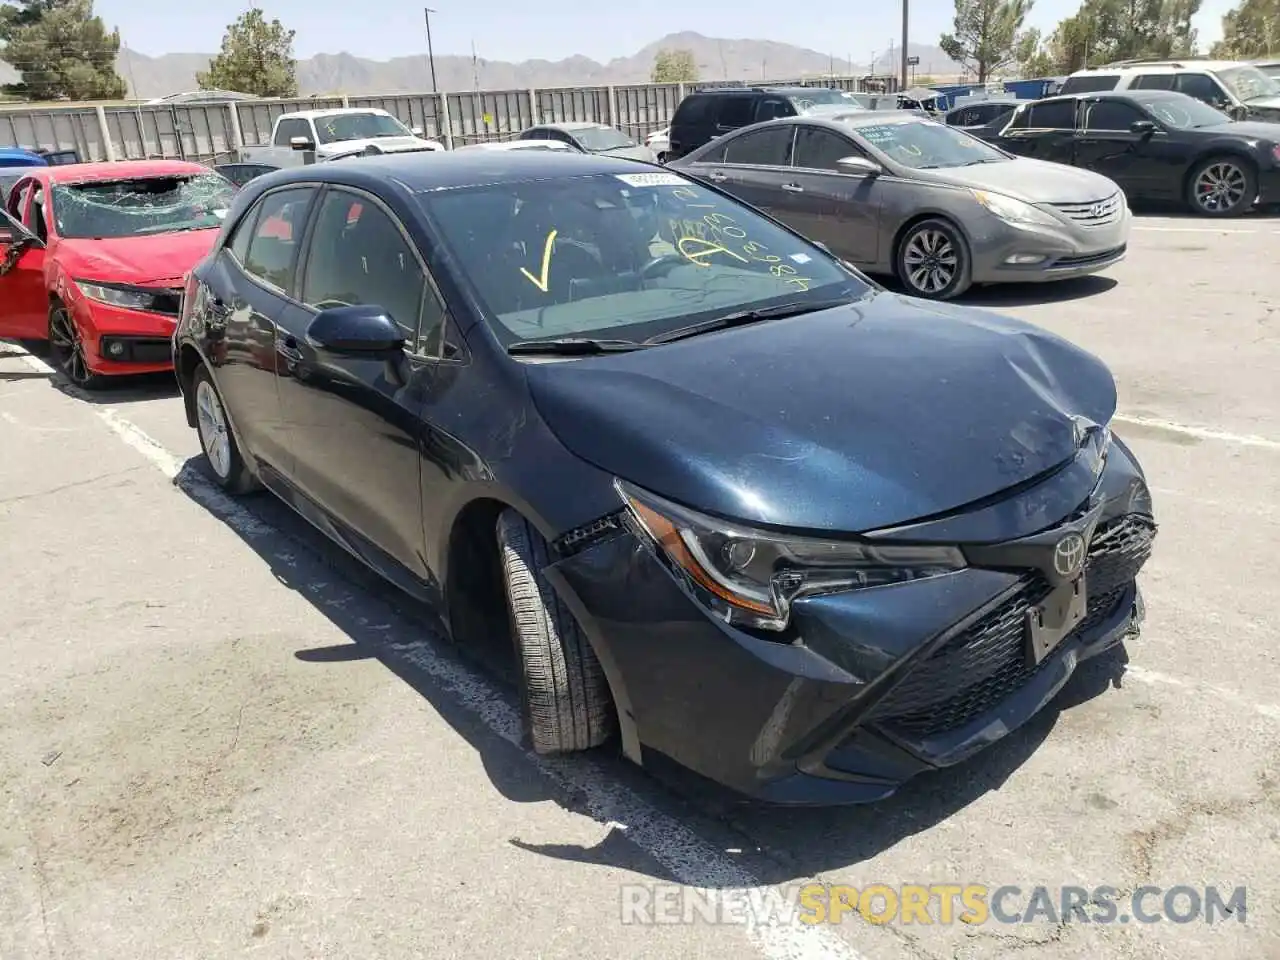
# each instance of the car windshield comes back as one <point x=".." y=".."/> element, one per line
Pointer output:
<point x="1249" y="83"/>
<point x="1183" y="113"/>
<point x="1272" y="70"/>
<point x="148" y="205"/>
<point x="625" y="256"/>
<point x="926" y="144"/>
<point x="359" y="126"/>
<point x="819" y="97"/>
<point x="602" y="138"/>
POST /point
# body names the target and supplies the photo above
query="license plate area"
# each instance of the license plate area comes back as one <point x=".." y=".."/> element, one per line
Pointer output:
<point x="1049" y="623"/>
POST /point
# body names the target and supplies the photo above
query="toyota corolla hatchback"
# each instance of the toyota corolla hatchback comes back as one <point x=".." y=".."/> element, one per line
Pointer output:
<point x="734" y="504"/>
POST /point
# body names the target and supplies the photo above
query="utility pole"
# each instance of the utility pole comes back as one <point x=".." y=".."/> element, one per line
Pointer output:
<point x="431" y="56"/>
<point x="906" y="5"/>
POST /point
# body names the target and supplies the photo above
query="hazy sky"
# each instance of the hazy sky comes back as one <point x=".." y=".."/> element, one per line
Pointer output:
<point x="553" y="29"/>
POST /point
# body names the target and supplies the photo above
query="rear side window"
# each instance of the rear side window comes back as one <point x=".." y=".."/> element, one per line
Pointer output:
<point x="765" y="148"/>
<point x="736" y="111"/>
<point x="696" y="108"/>
<point x="1091" y="83"/>
<point x="1053" y="115"/>
<point x="272" y="251"/>
<point x="1153" y="81"/>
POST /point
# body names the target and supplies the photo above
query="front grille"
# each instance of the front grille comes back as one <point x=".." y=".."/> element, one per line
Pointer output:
<point x="1087" y="259"/>
<point x="1095" y="213"/>
<point x="974" y="671"/>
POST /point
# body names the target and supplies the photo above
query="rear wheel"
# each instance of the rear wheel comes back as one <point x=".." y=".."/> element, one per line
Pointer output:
<point x="67" y="350"/>
<point x="216" y="439"/>
<point x="1222" y="187"/>
<point x="933" y="260"/>
<point x="563" y="690"/>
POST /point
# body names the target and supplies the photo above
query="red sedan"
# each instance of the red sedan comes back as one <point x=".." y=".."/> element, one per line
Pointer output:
<point x="93" y="258"/>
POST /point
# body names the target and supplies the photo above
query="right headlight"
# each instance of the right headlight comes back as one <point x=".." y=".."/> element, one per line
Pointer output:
<point x="1011" y="210"/>
<point x="751" y="577"/>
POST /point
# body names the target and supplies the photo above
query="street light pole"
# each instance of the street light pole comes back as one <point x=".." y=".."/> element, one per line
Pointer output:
<point x="906" y="4"/>
<point x="427" y="12"/>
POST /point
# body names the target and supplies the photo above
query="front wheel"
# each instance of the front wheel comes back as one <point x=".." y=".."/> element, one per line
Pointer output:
<point x="216" y="439"/>
<point x="1222" y="187"/>
<point x="563" y="690"/>
<point x="933" y="260"/>
<point x="67" y="349"/>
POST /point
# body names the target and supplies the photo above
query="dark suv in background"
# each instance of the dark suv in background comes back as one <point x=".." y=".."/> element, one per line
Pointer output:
<point x="707" y="114"/>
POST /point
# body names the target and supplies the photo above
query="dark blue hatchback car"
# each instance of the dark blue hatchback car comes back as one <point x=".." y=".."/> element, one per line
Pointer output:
<point x="732" y="501"/>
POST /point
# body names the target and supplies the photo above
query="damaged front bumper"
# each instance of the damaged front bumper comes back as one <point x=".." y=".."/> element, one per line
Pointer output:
<point x="866" y="688"/>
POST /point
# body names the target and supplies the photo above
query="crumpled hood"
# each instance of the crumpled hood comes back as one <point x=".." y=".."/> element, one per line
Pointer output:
<point x="141" y="260"/>
<point x="861" y="417"/>
<point x="385" y="144"/>
<point x="1035" y="181"/>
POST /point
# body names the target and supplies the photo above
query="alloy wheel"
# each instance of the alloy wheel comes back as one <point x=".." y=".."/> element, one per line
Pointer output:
<point x="930" y="261"/>
<point x="212" y="423"/>
<point x="67" y="347"/>
<point x="1220" y="187"/>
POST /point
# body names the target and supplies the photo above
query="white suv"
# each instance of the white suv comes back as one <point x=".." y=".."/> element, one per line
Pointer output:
<point x="1240" y="90"/>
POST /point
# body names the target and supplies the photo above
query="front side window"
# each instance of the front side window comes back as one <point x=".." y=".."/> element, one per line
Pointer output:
<point x="819" y="149"/>
<point x="771" y="108"/>
<point x="760" y="148"/>
<point x="275" y="231"/>
<point x="289" y="128"/>
<point x="108" y="209"/>
<point x="1201" y="86"/>
<point x="358" y="255"/>
<point x="1112" y="115"/>
<point x="735" y="111"/>
<point x="340" y="127"/>
<point x="926" y="144"/>
<point x="622" y="256"/>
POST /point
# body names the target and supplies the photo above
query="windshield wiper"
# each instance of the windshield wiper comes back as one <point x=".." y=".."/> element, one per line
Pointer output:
<point x="573" y="346"/>
<point x="743" y="317"/>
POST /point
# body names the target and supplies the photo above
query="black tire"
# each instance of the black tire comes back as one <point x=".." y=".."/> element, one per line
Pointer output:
<point x="662" y="158"/>
<point x="930" y="252"/>
<point x="231" y="472"/>
<point x="67" y="351"/>
<point x="563" y="691"/>
<point x="1223" y="186"/>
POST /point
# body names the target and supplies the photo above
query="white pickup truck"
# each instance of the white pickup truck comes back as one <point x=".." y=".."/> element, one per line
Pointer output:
<point x="330" y="134"/>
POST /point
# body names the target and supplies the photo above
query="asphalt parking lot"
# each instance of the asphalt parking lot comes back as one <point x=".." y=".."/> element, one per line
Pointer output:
<point x="219" y="737"/>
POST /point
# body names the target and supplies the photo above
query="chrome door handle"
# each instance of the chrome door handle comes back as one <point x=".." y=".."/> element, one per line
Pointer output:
<point x="793" y="188"/>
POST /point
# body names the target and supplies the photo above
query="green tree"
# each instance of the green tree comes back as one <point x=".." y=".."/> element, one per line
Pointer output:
<point x="1251" y="30"/>
<point x="988" y="35"/>
<point x="256" y="58"/>
<point x="1033" y="56"/>
<point x="1102" y="31"/>
<point x="674" y="66"/>
<point x="61" y="50"/>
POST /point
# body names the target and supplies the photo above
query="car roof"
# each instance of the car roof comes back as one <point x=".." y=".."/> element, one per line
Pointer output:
<point x="422" y="172"/>
<point x="332" y="112"/>
<point x="1158" y="66"/>
<point x="120" y="170"/>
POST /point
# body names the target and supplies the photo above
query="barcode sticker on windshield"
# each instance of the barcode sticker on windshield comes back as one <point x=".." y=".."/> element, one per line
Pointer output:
<point x="651" y="179"/>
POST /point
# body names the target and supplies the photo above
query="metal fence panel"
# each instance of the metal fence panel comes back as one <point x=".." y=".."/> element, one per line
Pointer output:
<point x="206" y="132"/>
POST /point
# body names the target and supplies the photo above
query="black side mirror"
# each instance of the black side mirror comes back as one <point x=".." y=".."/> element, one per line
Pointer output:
<point x="1144" y="128"/>
<point x="365" y="330"/>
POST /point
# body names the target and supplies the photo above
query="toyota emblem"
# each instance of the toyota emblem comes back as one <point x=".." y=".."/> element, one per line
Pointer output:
<point x="1068" y="556"/>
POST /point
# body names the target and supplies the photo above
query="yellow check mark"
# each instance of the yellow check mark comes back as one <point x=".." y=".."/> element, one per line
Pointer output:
<point x="541" y="282"/>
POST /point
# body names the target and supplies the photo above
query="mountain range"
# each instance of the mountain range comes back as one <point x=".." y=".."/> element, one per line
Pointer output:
<point x="717" y="59"/>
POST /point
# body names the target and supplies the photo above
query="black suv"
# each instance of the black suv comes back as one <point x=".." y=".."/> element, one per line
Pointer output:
<point x="707" y="114"/>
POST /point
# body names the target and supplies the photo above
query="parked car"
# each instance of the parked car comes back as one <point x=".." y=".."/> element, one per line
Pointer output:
<point x="901" y="194"/>
<point x="328" y="133"/>
<point x="729" y="498"/>
<point x="590" y="137"/>
<point x="491" y="145"/>
<point x="98" y="255"/>
<point x="1240" y="90"/>
<point x="706" y="114"/>
<point x="980" y="113"/>
<point x="1158" y="145"/>
<point x="659" y="142"/>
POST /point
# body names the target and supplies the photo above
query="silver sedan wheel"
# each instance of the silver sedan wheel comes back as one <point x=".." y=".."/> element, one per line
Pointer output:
<point x="1221" y="187"/>
<point x="212" y="421"/>
<point x="930" y="261"/>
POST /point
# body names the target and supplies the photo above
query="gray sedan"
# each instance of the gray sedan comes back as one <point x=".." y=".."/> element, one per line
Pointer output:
<point x="591" y="138"/>
<point x="899" y="194"/>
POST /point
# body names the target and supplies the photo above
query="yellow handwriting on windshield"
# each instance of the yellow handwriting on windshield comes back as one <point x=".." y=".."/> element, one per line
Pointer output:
<point x="696" y="250"/>
<point x="541" y="282"/>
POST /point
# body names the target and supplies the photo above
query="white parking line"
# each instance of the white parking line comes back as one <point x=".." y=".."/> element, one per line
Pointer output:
<point x="1200" y="433"/>
<point x="689" y="858"/>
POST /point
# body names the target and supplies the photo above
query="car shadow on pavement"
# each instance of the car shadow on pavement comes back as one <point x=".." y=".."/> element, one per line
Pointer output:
<point x="996" y="296"/>
<point x="473" y="694"/>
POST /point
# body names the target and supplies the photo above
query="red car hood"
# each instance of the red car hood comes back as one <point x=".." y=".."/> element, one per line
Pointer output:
<point x="140" y="260"/>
